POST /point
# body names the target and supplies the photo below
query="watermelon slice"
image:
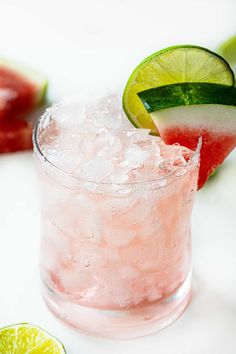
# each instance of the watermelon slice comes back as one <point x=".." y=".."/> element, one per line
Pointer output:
<point x="184" y="112"/>
<point x="21" y="90"/>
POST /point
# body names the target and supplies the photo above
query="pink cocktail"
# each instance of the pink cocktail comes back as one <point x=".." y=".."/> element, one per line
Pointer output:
<point x="115" y="209"/>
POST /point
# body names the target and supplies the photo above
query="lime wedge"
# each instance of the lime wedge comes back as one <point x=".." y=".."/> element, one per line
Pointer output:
<point x="25" y="338"/>
<point x="184" y="63"/>
<point x="228" y="51"/>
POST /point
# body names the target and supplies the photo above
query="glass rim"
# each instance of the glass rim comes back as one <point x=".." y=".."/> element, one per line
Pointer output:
<point x="193" y="161"/>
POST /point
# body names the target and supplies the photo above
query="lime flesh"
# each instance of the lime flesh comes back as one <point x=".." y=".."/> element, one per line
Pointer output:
<point x="184" y="63"/>
<point x="28" y="339"/>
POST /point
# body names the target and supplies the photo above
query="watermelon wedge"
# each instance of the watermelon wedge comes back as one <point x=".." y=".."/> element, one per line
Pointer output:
<point x="184" y="112"/>
<point x="21" y="90"/>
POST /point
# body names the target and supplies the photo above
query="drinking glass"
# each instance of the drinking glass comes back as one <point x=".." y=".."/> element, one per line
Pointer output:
<point x="115" y="258"/>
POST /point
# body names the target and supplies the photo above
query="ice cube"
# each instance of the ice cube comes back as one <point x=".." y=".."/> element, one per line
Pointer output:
<point x="162" y="182"/>
<point x="113" y="206"/>
<point x="69" y="114"/>
<point x="120" y="175"/>
<point x="109" y="146"/>
<point x="166" y="166"/>
<point x="138" y="135"/>
<point x="97" y="169"/>
<point x="106" y="112"/>
<point x="177" y="149"/>
<point x="134" y="157"/>
<point x="179" y="161"/>
<point x="181" y="171"/>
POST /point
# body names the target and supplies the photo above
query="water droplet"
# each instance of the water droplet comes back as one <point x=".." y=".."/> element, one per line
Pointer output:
<point x="89" y="235"/>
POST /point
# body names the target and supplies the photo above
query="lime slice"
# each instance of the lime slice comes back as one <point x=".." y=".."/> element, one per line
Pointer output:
<point x="228" y="51"/>
<point x="184" y="63"/>
<point x="24" y="338"/>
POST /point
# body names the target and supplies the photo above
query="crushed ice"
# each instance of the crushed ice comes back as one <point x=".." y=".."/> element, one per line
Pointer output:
<point x="97" y="142"/>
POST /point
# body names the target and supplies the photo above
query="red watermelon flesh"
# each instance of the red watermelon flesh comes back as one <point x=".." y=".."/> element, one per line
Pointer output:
<point x="214" y="148"/>
<point x="216" y="124"/>
<point x="17" y="95"/>
<point x="21" y="90"/>
<point x="15" y="135"/>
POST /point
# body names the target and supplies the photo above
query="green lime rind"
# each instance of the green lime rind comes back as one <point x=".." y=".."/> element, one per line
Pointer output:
<point x="183" y="94"/>
<point x="182" y="63"/>
<point x="228" y="50"/>
<point x="25" y="338"/>
<point x="33" y="76"/>
<point x="192" y="46"/>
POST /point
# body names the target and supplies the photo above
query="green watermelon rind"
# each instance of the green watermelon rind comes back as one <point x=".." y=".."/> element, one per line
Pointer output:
<point x="184" y="94"/>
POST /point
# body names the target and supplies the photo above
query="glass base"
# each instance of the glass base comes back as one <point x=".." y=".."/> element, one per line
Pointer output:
<point x="122" y="324"/>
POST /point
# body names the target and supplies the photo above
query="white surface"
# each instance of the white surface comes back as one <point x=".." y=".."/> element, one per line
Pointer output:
<point x="95" y="44"/>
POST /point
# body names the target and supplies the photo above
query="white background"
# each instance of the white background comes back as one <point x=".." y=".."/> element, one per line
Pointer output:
<point x="94" y="45"/>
